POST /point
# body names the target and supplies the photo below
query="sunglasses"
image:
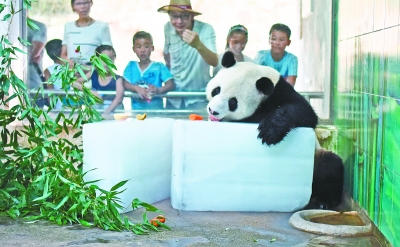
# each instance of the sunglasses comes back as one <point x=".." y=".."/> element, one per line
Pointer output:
<point x="183" y="17"/>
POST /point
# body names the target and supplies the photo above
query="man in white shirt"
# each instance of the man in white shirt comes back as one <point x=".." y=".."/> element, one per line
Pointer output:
<point x="189" y="51"/>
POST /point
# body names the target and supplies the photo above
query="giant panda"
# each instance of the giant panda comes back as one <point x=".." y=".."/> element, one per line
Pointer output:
<point x="251" y="93"/>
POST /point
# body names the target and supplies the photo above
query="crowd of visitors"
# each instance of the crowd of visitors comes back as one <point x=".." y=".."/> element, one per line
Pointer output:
<point x="189" y="52"/>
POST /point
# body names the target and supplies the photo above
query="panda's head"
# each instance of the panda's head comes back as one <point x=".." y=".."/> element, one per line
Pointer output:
<point x="238" y="89"/>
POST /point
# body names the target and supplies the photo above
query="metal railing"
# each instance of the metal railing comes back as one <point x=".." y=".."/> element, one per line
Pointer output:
<point x="307" y="95"/>
<point x="176" y="113"/>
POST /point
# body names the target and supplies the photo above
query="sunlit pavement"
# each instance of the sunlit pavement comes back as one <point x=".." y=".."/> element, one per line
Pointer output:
<point x="188" y="229"/>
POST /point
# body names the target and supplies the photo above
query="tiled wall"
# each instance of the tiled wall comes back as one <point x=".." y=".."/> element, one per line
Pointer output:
<point x="366" y="106"/>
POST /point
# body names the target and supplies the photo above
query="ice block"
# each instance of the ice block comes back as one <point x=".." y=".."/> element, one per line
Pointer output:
<point x="132" y="149"/>
<point x="220" y="166"/>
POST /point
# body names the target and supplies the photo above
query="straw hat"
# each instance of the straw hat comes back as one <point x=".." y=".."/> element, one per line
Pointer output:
<point x="178" y="5"/>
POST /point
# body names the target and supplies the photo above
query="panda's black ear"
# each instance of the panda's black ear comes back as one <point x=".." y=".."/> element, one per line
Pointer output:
<point x="265" y="85"/>
<point x="228" y="60"/>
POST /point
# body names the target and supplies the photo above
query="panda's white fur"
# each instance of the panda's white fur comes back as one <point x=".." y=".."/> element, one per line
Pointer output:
<point x="235" y="82"/>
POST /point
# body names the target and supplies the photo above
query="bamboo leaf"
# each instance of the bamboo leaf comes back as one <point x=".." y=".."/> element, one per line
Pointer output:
<point x="77" y="134"/>
<point x="24" y="42"/>
<point x="24" y="113"/>
<point x="73" y="207"/>
<point x="32" y="25"/>
<point x="118" y="185"/>
<point x="64" y="180"/>
<point x="6" y="17"/>
<point x="42" y="197"/>
<point x="44" y="152"/>
<point x="62" y="202"/>
<point x="19" y="50"/>
<point x="85" y="223"/>
<point x="136" y="203"/>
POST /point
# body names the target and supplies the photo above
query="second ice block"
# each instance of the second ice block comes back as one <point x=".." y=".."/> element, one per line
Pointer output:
<point x="224" y="167"/>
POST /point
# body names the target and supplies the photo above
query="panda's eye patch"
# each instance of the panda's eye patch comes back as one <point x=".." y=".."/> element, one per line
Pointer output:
<point x="215" y="91"/>
<point x="233" y="104"/>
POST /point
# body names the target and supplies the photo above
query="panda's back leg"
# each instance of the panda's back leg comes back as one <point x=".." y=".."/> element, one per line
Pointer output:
<point x="327" y="186"/>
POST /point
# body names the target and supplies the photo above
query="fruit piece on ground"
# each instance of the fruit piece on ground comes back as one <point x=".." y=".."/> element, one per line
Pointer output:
<point x="157" y="219"/>
<point x="154" y="222"/>
<point x="160" y="218"/>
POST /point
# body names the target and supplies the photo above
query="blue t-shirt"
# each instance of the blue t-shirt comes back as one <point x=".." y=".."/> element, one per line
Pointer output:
<point x="155" y="74"/>
<point x="286" y="67"/>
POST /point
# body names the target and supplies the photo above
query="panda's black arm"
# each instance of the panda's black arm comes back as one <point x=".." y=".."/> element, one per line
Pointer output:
<point x="275" y="126"/>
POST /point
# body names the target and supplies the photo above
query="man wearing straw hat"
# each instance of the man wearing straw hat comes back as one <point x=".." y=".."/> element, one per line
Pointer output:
<point x="189" y="52"/>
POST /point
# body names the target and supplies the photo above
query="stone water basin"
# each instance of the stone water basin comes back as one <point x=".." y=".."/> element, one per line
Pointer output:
<point x="326" y="222"/>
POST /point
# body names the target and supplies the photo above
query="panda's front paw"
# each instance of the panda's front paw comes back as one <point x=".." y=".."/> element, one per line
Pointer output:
<point x="269" y="135"/>
<point x="269" y="140"/>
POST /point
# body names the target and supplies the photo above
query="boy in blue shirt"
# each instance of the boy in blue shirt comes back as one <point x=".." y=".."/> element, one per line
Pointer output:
<point x="147" y="78"/>
<point x="286" y="63"/>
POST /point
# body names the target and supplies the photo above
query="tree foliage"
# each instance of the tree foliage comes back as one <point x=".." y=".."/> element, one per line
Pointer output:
<point x="42" y="179"/>
<point x="51" y="7"/>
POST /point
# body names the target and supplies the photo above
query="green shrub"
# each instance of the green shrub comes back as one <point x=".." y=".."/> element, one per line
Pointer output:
<point x="43" y="179"/>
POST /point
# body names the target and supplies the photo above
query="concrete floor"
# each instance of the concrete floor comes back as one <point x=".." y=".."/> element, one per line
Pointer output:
<point x="188" y="229"/>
